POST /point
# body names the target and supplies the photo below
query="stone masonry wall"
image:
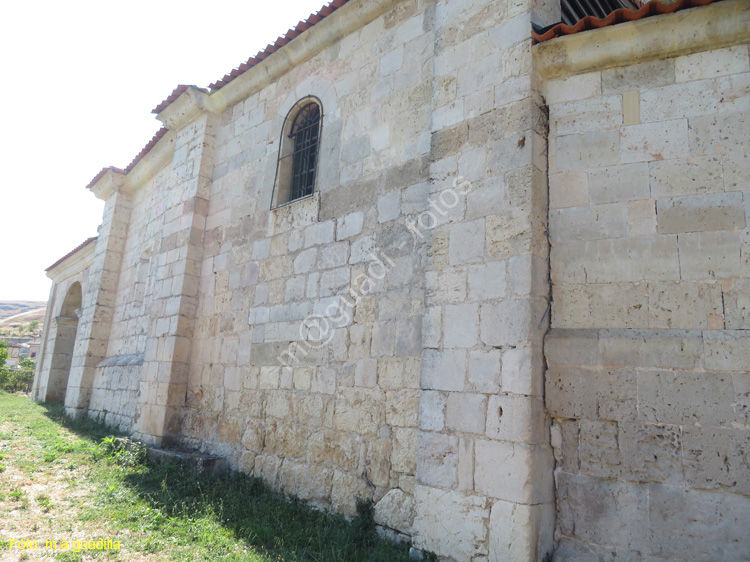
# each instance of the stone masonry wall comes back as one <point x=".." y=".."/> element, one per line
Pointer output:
<point x="116" y="386"/>
<point x="648" y="380"/>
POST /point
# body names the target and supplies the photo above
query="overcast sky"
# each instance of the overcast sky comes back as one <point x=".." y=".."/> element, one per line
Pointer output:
<point x="78" y="81"/>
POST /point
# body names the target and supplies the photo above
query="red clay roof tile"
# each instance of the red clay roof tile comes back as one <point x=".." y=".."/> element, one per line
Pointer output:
<point x="618" y="16"/>
<point x="280" y="42"/>
<point x="73" y="251"/>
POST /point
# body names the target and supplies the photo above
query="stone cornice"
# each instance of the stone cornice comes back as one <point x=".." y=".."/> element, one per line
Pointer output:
<point x="715" y="26"/>
<point x="185" y="109"/>
<point x="109" y="182"/>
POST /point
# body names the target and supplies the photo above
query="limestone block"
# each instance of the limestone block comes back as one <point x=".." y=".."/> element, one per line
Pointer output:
<point x="736" y="169"/>
<point x="654" y="141"/>
<point x="338" y="448"/>
<point x="334" y="255"/>
<point x="588" y="223"/>
<point x="443" y="370"/>
<point x="467" y="242"/>
<point x="323" y="381"/>
<point x="404" y="455"/>
<point x="696" y="213"/>
<point x="564" y="438"/>
<point x="587" y="150"/>
<point x="450" y="523"/>
<point x="717" y="62"/>
<point x="344" y="491"/>
<point x="487" y="281"/>
<point x="461" y="325"/>
<point x="573" y="88"/>
<point x="267" y="468"/>
<point x="466" y="412"/>
<point x="586" y="115"/>
<point x="619" y="183"/>
<point x="652" y="453"/>
<point x="513" y="471"/>
<point x="616" y="260"/>
<point x="602" y="511"/>
<point x="651" y="348"/>
<point x="319" y="233"/>
<point x="305" y="261"/>
<point x="695" y="525"/>
<point x="725" y="133"/>
<point x="484" y="371"/>
<point x="349" y="225"/>
<point x="638" y="76"/>
<point x="641" y="217"/>
<point x="306" y="481"/>
<point x="685" y="305"/>
<point x="358" y="410"/>
<point x="576" y="393"/>
<point x="437" y="459"/>
<point x="696" y="175"/>
<point x="389" y="206"/>
<point x="513" y="322"/>
<point x="709" y="255"/>
<point x="726" y="350"/>
<point x="572" y="347"/>
<point x="520" y="419"/>
<point x="522" y="533"/>
<point x="737" y="305"/>
<point x="568" y="189"/>
<point x="432" y="410"/>
<point x="402" y="407"/>
<point x="686" y="398"/>
<point x="395" y="510"/>
<point x="365" y="373"/>
<point x="687" y="99"/>
<point x="361" y="250"/>
<point x="472" y="165"/>
<point x="432" y="326"/>
<point x="523" y="371"/>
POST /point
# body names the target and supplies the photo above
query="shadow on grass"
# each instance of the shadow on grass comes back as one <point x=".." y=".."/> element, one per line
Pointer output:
<point x="212" y="515"/>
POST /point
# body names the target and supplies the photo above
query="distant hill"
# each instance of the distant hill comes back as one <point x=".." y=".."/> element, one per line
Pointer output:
<point x="21" y="321"/>
<point x="13" y="308"/>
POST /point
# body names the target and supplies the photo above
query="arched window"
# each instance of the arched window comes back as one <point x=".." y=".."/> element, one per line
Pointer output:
<point x="298" y="152"/>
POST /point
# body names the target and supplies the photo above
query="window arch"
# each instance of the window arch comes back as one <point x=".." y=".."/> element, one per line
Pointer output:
<point x="299" y="146"/>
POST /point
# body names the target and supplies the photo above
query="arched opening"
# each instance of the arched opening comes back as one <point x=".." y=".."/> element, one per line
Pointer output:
<point x="296" y="170"/>
<point x="65" y="328"/>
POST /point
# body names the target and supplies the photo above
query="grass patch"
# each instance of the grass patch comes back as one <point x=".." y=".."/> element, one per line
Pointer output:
<point x="70" y="480"/>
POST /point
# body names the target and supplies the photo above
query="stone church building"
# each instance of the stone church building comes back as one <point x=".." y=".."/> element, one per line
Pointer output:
<point x="492" y="272"/>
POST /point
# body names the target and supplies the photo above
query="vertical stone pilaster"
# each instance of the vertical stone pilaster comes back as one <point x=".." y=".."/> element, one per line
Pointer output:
<point x="485" y="467"/>
<point x="179" y="257"/>
<point x="99" y="297"/>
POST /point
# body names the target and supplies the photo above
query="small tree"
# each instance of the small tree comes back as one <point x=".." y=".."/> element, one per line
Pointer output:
<point x="3" y="353"/>
<point x="33" y="325"/>
<point x="27" y="363"/>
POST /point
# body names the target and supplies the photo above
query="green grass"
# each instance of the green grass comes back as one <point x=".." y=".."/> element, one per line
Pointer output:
<point x="62" y="475"/>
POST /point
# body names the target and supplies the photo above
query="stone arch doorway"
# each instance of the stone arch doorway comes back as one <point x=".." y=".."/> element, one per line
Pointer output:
<point x="66" y="328"/>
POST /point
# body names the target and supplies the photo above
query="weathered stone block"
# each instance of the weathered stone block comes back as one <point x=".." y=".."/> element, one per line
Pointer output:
<point x="720" y="211"/>
<point x="443" y="370"/>
<point x="684" y="305"/>
<point x="587" y="150"/>
<point x="717" y="62"/>
<point x="654" y="141"/>
<point x="466" y="412"/>
<point x="651" y="348"/>
<point x="726" y="350"/>
<point x="461" y="325"/>
<point x="638" y="76"/>
<point x="521" y="533"/>
<point x="709" y="255"/>
<point x="467" y="242"/>
<point x="395" y="510"/>
<point x="437" y="459"/>
<point x="695" y="525"/>
<point x="696" y="175"/>
<point x="619" y="183"/>
<point x="450" y="523"/>
<point x="513" y="471"/>
<point x="685" y="398"/>
<point x="520" y="419"/>
<point x="588" y="223"/>
<point x="603" y="512"/>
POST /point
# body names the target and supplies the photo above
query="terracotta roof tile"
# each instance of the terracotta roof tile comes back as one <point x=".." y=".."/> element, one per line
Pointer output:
<point x="618" y="16"/>
<point x="66" y="256"/>
<point x="280" y="42"/>
<point x="146" y="149"/>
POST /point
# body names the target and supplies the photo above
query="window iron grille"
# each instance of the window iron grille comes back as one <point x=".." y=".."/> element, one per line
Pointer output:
<point x="304" y="135"/>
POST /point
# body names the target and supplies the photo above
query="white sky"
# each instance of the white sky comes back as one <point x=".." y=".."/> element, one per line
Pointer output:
<point x="78" y="81"/>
